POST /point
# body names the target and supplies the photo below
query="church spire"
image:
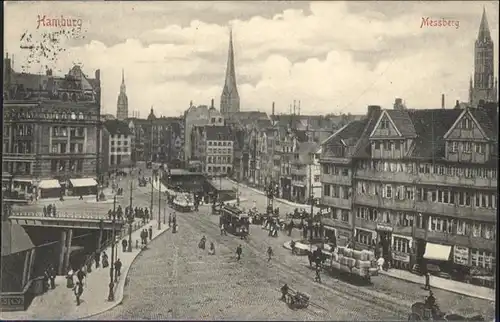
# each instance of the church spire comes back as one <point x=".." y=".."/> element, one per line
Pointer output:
<point x="122" y="104"/>
<point x="484" y="29"/>
<point x="122" y="87"/>
<point x="230" y="100"/>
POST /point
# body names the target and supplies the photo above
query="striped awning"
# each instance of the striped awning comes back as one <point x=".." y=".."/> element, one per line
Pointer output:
<point x="83" y="182"/>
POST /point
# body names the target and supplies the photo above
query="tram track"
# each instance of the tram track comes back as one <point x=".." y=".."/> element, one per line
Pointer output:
<point x="376" y="300"/>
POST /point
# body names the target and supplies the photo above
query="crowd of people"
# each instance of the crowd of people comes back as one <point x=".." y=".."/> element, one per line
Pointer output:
<point x="50" y="211"/>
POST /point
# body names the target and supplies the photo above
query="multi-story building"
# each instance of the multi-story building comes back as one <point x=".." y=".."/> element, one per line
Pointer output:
<point x="423" y="185"/>
<point x="116" y="145"/>
<point x="157" y="139"/>
<point x="199" y="116"/>
<point x="122" y="102"/>
<point x="213" y="146"/>
<point x="305" y="172"/>
<point x="485" y="85"/>
<point x="51" y="132"/>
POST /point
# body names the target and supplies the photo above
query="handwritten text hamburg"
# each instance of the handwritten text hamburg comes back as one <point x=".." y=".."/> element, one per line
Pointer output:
<point x="58" y="22"/>
<point x="429" y="22"/>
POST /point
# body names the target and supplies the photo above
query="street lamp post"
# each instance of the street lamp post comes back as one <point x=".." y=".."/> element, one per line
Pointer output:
<point x="130" y="220"/>
<point x="159" y="201"/>
<point x="111" y="296"/>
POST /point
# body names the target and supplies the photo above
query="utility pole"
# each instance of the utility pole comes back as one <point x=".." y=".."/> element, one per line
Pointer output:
<point x="152" y="193"/>
<point x="159" y="200"/>
<point x="111" y="296"/>
<point x="311" y="197"/>
<point x="130" y="220"/>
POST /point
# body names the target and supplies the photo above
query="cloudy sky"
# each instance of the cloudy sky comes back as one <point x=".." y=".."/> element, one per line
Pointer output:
<point x="335" y="57"/>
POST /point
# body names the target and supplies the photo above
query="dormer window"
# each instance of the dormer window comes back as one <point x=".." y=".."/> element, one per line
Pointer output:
<point x="454" y="147"/>
<point x="466" y="123"/>
<point x="480" y="147"/>
<point x="467" y="147"/>
<point x="377" y="145"/>
<point x="384" y="124"/>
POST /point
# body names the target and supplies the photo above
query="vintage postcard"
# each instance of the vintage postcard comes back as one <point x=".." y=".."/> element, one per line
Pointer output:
<point x="249" y="160"/>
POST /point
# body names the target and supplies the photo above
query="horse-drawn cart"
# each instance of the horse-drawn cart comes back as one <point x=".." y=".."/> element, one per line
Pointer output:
<point x="423" y="312"/>
<point x="297" y="300"/>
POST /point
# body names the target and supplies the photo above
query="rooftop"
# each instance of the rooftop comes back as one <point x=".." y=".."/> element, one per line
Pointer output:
<point x="117" y="127"/>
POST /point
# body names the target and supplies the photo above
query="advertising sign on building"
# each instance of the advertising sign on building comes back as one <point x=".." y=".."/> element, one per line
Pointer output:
<point x="461" y="255"/>
<point x="383" y="227"/>
<point x="402" y="257"/>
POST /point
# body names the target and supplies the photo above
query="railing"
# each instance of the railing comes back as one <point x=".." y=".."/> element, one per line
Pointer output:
<point x="94" y="216"/>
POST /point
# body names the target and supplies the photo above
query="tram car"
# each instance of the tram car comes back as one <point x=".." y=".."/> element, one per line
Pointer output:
<point x="235" y="220"/>
<point x="183" y="202"/>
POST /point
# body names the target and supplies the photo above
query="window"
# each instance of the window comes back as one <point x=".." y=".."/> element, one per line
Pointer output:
<point x="388" y="191"/>
<point x="466" y="123"/>
<point x="80" y="147"/>
<point x="79" y="165"/>
<point x="422" y="194"/>
<point x="316" y="178"/>
<point x="386" y="145"/>
<point x="53" y="165"/>
<point x="112" y="149"/>
<point x="462" y="227"/>
<point x="363" y="237"/>
<point x="345" y="192"/>
<point x="409" y="193"/>
<point x="362" y="213"/>
<point x="397" y="145"/>
<point x="480" y="147"/>
<point x="467" y="147"/>
<point x="72" y="147"/>
<point x="63" y="147"/>
<point x="384" y="123"/>
<point x="454" y="146"/>
<point x="336" y="192"/>
<point x="377" y="145"/>
<point x="55" y="148"/>
<point x="326" y="190"/>
<point x="345" y="172"/>
<point x="344" y="215"/>
<point x="482" y="259"/>
<point x="401" y="245"/>
<point x="372" y="214"/>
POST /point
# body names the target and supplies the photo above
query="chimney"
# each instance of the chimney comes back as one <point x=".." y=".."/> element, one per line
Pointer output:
<point x="98" y="74"/>
<point x="272" y="110"/>
<point x="299" y="107"/>
<point x="442" y="100"/>
<point x="373" y="110"/>
<point x="212" y="104"/>
<point x="48" y="72"/>
<point x="457" y="104"/>
<point x="398" y="104"/>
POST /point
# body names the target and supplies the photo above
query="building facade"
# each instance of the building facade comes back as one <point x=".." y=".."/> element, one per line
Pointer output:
<point x="230" y="99"/>
<point x="213" y="146"/>
<point x="116" y="145"/>
<point x="485" y="85"/>
<point x="51" y="132"/>
<point x="199" y="116"/>
<point x="305" y="171"/>
<point x="418" y="185"/>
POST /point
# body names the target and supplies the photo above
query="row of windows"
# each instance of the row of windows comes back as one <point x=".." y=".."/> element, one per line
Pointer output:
<point x="62" y="148"/>
<point x="338" y="214"/>
<point x="115" y="160"/>
<point x="16" y="167"/>
<point x="331" y="169"/>
<point x="452" y="196"/>
<point x="119" y="142"/>
<point x="468" y="147"/>
<point x="218" y="169"/>
<point x="462" y="227"/>
<point x="387" y="145"/>
<point x="219" y="151"/>
<point x="64" y="131"/>
<point x="220" y="143"/>
<point x="480" y="258"/>
<point x="427" y="168"/>
<point x="19" y="130"/>
<point x="49" y="115"/>
<point x="63" y="165"/>
<point x="19" y="147"/>
<point x="298" y="178"/>
<point x="219" y="159"/>
<point x="125" y="149"/>
<point x="335" y="191"/>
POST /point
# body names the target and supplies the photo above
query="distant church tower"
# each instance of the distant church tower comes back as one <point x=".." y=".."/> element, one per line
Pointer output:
<point x="230" y="100"/>
<point x="484" y="86"/>
<point x="122" y="104"/>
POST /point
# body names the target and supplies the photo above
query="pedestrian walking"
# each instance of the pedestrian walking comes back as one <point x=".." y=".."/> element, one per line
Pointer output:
<point x="170" y="220"/>
<point x="238" y="252"/>
<point x="284" y="292"/>
<point x="318" y="275"/>
<point x="124" y="245"/>
<point x="105" y="260"/>
<point x="78" y="290"/>
<point x="292" y="245"/>
<point x="427" y="280"/>
<point x="45" y="211"/>
<point x="118" y="267"/>
<point x="137" y="244"/>
<point x="69" y="279"/>
<point x="54" y="211"/>
<point x="46" y="280"/>
<point x="52" y="277"/>
<point x="269" y="253"/>
<point x="81" y="275"/>
<point x="150" y="232"/>
<point x="211" y="250"/>
<point x="97" y="259"/>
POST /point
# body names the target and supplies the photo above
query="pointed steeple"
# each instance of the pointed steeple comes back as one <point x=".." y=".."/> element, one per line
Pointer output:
<point x="484" y="29"/>
<point x="122" y="86"/>
<point x="230" y="83"/>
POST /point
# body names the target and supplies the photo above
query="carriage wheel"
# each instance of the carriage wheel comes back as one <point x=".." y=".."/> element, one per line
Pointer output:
<point x="414" y="317"/>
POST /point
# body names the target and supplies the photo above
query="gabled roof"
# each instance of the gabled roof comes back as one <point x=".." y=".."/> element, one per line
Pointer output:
<point x="488" y="120"/>
<point x="403" y="123"/>
<point x="431" y="125"/>
<point x="117" y="127"/>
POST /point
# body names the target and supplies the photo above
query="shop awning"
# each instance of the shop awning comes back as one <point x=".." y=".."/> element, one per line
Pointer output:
<point x="24" y="180"/>
<point x="83" y="182"/>
<point x="49" y="184"/>
<point x="437" y="252"/>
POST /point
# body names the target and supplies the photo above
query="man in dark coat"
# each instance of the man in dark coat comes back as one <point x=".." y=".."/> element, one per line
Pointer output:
<point x="81" y="275"/>
<point x="97" y="258"/>
<point x="118" y="267"/>
<point x="52" y="277"/>
<point x="238" y="252"/>
<point x="150" y="232"/>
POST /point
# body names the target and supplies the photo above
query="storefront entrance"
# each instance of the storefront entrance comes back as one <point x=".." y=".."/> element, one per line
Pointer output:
<point x="384" y="242"/>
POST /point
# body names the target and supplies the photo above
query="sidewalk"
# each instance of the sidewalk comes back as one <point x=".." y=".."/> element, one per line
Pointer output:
<point x="286" y="202"/>
<point x="60" y="303"/>
<point x="437" y="282"/>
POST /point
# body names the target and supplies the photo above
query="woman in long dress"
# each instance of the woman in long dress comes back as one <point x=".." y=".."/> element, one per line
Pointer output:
<point x="211" y="250"/>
